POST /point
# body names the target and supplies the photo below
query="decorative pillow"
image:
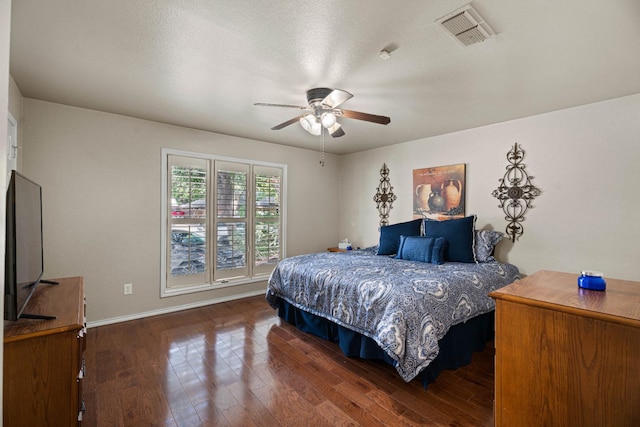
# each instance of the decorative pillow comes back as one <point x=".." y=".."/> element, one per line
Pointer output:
<point x="422" y="249"/>
<point x="459" y="234"/>
<point x="390" y="235"/>
<point x="486" y="241"/>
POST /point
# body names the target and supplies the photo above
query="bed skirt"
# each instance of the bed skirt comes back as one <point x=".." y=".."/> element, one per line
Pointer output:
<point x="456" y="347"/>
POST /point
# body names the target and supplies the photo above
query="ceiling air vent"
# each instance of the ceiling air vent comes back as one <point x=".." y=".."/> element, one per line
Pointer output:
<point x="466" y="25"/>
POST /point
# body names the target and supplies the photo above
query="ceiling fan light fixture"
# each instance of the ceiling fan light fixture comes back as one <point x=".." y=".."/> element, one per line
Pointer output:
<point x="322" y="112"/>
<point x="310" y="124"/>
<point x="328" y="120"/>
<point x="316" y="129"/>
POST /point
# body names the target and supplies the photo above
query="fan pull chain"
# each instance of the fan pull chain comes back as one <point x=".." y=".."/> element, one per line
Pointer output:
<point x="322" y="155"/>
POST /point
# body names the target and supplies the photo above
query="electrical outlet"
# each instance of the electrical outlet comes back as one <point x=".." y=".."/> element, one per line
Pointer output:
<point x="128" y="288"/>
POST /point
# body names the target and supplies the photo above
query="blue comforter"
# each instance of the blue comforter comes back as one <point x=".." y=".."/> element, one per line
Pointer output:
<point x="405" y="306"/>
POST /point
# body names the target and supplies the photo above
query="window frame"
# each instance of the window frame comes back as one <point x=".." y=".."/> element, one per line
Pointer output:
<point x="210" y="283"/>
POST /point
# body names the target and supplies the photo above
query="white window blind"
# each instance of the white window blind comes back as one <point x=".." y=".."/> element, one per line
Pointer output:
<point x="267" y="218"/>
<point x="231" y="219"/>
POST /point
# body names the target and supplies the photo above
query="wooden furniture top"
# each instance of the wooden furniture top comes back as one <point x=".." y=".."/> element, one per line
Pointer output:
<point x="619" y="303"/>
<point x="64" y="300"/>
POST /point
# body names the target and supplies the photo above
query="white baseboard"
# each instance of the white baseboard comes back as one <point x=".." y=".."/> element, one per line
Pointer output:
<point x="173" y="309"/>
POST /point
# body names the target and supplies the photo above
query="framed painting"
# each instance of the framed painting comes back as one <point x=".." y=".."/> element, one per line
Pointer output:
<point x="439" y="192"/>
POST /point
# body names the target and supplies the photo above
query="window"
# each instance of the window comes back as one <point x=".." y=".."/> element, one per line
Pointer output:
<point x="223" y="221"/>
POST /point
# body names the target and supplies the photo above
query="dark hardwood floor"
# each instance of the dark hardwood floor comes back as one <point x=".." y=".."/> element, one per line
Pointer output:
<point x="238" y="364"/>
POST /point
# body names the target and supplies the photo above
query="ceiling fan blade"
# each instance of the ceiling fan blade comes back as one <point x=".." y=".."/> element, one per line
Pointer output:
<point x="336" y="97"/>
<point x="336" y="131"/>
<point x="349" y="114"/>
<point x="287" y="123"/>
<point x="265" y="104"/>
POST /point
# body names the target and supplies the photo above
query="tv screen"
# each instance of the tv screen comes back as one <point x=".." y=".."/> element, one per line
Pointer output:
<point x="24" y="253"/>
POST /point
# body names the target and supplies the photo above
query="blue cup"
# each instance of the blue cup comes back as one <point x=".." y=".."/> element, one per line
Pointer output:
<point x="592" y="280"/>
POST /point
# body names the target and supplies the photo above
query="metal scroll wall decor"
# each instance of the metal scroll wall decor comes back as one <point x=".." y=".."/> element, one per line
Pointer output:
<point x="384" y="198"/>
<point x="515" y="192"/>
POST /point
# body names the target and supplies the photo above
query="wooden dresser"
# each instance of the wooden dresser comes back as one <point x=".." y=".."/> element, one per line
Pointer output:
<point x="567" y="356"/>
<point x="43" y="362"/>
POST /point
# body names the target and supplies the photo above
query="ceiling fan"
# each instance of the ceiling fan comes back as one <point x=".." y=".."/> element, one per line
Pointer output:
<point x="322" y="112"/>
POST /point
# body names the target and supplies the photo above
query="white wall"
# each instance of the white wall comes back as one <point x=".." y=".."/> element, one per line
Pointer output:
<point x="101" y="178"/>
<point x="15" y="99"/>
<point x="101" y="194"/>
<point x="584" y="159"/>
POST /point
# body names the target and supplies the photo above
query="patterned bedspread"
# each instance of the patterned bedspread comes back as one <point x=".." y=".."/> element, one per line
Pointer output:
<point x="405" y="306"/>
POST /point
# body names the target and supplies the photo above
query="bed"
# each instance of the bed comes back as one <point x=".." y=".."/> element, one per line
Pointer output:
<point x="421" y="317"/>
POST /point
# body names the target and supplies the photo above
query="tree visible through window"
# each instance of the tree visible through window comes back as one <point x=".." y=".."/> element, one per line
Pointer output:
<point x="203" y="249"/>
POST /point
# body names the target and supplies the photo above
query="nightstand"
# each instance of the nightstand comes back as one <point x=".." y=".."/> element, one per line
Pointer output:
<point x="565" y="355"/>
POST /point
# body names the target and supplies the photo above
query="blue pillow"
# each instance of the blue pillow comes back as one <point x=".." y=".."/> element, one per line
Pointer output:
<point x="422" y="249"/>
<point x="390" y="235"/>
<point x="486" y="241"/>
<point x="459" y="234"/>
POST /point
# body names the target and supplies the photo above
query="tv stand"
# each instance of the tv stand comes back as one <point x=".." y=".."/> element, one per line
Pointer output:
<point x="43" y="361"/>
<point x="49" y="282"/>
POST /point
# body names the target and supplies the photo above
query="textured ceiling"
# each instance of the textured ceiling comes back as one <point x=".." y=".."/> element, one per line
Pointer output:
<point x="203" y="64"/>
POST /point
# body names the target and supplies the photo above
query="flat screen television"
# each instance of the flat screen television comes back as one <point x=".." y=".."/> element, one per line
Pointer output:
<point x="24" y="258"/>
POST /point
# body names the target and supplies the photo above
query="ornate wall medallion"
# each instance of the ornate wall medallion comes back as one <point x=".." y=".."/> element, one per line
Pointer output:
<point x="515" y="192"/>
<point x="384" y="198"/>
